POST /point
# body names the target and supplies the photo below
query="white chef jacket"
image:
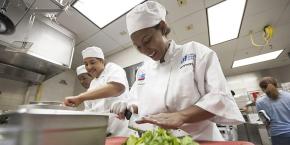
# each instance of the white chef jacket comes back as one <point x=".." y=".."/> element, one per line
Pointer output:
<point x="190" y="75"/>
<point x="111" y="73"/>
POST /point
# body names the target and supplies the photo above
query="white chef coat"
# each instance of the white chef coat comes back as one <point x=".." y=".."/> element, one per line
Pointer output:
<point x="111" y="73"/>
<point x="191" y="74"/>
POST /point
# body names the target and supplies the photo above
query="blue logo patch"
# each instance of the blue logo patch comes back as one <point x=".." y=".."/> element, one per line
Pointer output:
<point x="188" y="57"/>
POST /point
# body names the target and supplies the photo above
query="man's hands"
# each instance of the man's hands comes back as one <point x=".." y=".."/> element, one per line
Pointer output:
<point x="73" y="101"/>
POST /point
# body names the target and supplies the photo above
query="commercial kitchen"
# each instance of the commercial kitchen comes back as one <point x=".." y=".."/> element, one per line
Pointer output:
<point x="180" y="72"/>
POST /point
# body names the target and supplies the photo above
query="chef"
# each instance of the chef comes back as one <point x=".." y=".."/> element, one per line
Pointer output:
<point x="109" y="84"/>
<point x="181" y="86"/>
<point x="84" y="77"/>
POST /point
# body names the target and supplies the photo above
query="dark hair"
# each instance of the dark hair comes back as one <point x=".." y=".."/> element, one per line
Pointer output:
<point x="269" y="86"/>
<point x="166" y="30"/>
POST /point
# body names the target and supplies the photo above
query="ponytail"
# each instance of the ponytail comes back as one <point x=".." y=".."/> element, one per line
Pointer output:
<point x="269" y="86"/>
<point x="272" y="92"/>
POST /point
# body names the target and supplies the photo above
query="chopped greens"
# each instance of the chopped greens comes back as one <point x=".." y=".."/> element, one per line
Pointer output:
<point x="159" y="137"/>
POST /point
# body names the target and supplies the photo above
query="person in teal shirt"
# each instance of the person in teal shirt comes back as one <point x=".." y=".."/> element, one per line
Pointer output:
<point x="276" y="104"/>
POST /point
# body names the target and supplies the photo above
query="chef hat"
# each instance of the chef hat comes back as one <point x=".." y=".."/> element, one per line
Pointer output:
<point x="145" y="15"/>
<point x="93" y="51"/>
<point x="81" y="70"/>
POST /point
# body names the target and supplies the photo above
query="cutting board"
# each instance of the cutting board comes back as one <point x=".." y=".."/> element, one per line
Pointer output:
<point x="120" y="140"/>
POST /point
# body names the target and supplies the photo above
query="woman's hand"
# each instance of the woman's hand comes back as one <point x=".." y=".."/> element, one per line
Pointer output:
<point x="119" y="108"/>
<point x="175" y="120"/>
<point x="73" y="101"/>
<point x="165" y="120"/>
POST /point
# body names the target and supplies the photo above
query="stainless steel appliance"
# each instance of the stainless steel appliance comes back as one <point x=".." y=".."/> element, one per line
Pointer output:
<point x="47" y="105"/>
<point x="30" y="126"/>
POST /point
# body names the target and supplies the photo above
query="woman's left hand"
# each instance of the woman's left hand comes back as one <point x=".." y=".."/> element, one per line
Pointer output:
<point x="164" y="120"/>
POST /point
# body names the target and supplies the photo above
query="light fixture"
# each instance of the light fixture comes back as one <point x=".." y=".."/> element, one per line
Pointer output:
<point x="224" y="20"/>
<point x="257" y="59"/>
<point x="103" y="12"/>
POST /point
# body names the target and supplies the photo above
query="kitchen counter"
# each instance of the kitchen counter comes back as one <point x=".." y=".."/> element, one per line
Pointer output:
<point x="120" y="140"/>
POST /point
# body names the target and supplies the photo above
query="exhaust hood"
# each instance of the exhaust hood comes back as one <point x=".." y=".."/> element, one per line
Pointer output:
<point x="38" y="49"/>
<point x="24" y="67"/>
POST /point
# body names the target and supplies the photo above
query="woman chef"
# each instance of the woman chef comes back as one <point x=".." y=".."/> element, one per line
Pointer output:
<point x="109" y="84"/>
<point x="182" y="86"/>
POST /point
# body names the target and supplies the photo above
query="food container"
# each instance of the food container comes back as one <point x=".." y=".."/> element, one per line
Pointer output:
<point x="47" y="105"/>
<point x="56" y="127"/>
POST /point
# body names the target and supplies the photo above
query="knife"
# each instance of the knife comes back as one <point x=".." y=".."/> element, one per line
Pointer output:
<point x="141" y="128"/>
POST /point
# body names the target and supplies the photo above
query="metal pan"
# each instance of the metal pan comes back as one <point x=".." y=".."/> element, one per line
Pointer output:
<point x="47" y="105"/>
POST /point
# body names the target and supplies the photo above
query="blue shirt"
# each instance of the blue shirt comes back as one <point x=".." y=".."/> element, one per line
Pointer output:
<point x="278" y="111"/>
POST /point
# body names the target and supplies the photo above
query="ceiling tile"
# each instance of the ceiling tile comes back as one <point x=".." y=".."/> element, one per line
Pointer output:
<point x="118" y="31"/>
<point x="245" y="53"/>
<point x="191" y="25"/>
<point x="103" y="41"/>
<point x="176" y="12"/>
<point x="116" y="50"/>
<point x="285" y="19"/>
<point x="257" y="6"/>
<point x="225" y="52"/>
<point x="257" y="22"/>
<point x="42" y="4"/>
<point x="201" y="38"/>
<point x="244" y="42"/>
<point x="209" y="3"/>
<point x="78" y="24"/>
<point x="281" y="37"/>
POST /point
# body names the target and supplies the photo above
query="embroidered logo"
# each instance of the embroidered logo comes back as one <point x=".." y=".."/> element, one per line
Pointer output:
<point x="187" y="57"/>
<point x="188" y="60"/>
<point x="141" y="77"/>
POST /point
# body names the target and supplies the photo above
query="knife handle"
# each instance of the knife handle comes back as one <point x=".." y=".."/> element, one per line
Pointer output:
<point x="128" y="114"/>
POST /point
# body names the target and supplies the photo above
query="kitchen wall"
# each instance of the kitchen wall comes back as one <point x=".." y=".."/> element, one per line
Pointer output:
<point x="250" y="81"/>
<point x="58" y="87"/>
<point x="54" y="89"/>
<point x="11" y="93"/>
<point x="127" y="57"/>
<point x="244" y="83"/>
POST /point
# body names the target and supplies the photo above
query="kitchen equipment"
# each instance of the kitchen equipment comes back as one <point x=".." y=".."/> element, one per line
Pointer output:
<point x="47" y="105"/>
<point x="141" y="128"/>
<point x="58" y="105"/>
<point x="26" y="55"/>
<point x="56" y="127"/>
<point x="6" y="25"/>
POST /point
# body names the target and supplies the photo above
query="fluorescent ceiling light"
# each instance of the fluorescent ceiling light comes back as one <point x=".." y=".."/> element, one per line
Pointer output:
<point x="224" y="20"/>
<point x="257" y="59"/>
<point x="103" y="12"/>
